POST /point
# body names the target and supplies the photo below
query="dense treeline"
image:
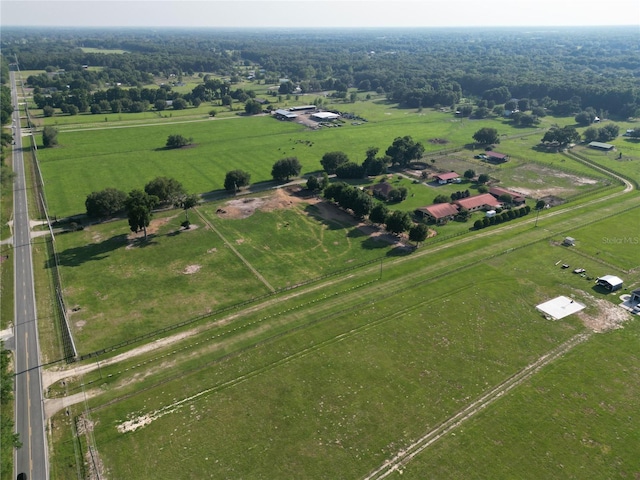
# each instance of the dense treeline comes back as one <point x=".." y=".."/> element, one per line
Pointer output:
<point x="565" y="70"/>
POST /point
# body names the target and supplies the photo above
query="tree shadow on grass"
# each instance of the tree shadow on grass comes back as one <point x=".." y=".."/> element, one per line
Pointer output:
<point x="76" y="256"/>
<point x="332" y="223"/>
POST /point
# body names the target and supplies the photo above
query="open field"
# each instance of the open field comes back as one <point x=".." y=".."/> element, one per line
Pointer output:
<point x="321" y="348"/>
<point x="574" y="420"/>
<point x="128" y="158"/>
<point x="343" y="417"/>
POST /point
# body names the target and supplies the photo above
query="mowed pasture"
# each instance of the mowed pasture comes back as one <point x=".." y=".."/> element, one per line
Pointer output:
<point x="120" y="287"/>
<point x="575" y="419"/>
<point x="338" y="398"/>
<point x="129" y="157"/>
<point x="374" y="372"/>
<point x="345" y="372"/>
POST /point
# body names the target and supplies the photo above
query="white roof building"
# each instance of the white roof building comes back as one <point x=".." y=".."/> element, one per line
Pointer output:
<point x="324" y="116"/>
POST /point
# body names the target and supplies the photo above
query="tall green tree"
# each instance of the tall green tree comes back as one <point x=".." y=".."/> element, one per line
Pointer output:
<point x="486" y="135"/>
<point x="168" y="190"/>
<point x="379" y="213"/>
<point x="404" y="150"/>
<point x="418" y="233"/>
<point x="398" y="222"/>
<point x="332" y="160"/>
<point x="49" y="137"/>
<point x="236" y="179"/>
<point x="139" y="205"/>
<point x="105" y="203"/>
<point x="285" y="168"/>
<point x="187" y="202"/>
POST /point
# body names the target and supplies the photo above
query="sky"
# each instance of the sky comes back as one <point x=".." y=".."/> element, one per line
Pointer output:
<point x="318" y="13"/>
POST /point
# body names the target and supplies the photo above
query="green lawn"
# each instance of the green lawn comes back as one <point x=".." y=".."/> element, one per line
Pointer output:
<point x="365" y="373"/>
<point x="372" y="379"/>
<point x="121" y="292"/>
<point x="575" y="419"/>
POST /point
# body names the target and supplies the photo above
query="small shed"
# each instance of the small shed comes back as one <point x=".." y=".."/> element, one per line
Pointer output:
<point x="569" y="242"/>
<point x="610" y="282"/>
<point x="635" y="296"/>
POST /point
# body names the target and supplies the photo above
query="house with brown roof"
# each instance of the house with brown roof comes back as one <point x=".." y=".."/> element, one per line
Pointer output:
<point x="449" y="177"/>
<point x="498" y="192"/>
<point x="439" y="212"/>
<point x="381" y="190"/>
<point x="484" y="201"/>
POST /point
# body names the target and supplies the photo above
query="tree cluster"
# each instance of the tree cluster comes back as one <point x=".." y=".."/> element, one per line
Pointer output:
<point x="414" y="69"/>
<point x="502" y="217"/>
<point x="350" y="197"/>
<point x="8" y="439"/>
<point x="561" y="136"/>
<point x="139" y="204"/>
<point x="605" y="133"/>
<point x="460" y="194"/>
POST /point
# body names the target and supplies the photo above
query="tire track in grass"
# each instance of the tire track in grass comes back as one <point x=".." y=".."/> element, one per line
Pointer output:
<point x="236" y="252"/>
<point x="140" y="421"/>
<point x="403" y="457"/>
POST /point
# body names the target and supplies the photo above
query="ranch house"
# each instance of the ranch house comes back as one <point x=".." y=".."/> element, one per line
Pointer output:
<point x="449" y="177"/>
<point x="497" y="192"/>
<point x="484" y="201"/>
<point x="381" y="190"/>
<point x="495" y="157"/>
<point x="439" y="212"/>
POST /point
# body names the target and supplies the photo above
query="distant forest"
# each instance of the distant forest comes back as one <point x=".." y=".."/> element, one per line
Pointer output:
<point x="563" y="70"/>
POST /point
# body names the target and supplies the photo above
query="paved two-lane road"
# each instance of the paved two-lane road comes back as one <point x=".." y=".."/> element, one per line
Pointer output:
<point x="31" y="458"/>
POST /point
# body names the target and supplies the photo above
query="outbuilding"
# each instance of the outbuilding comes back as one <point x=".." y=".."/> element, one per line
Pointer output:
<point x="635" y="296"/>
<point x="496" y="157"/>
<point x="602" y="146"/>
<point x="324" y="116"/>
<point x="569" y="242"/>
<point x="281" y="114"/>
<point x="610" y="282"/>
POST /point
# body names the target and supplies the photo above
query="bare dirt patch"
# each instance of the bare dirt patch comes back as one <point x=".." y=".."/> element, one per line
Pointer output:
<point x="281" y="198"/>
<point x="438" y="141"/>
<point x="191" y="269"/>
<point x="608" y="316"/>
<point x="542" y="176"/>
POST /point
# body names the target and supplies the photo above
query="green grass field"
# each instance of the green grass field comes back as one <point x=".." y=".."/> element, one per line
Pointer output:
<point x="573" y="420"/>
<point x="128" y="158"/>
<point x="322" y="352"/>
